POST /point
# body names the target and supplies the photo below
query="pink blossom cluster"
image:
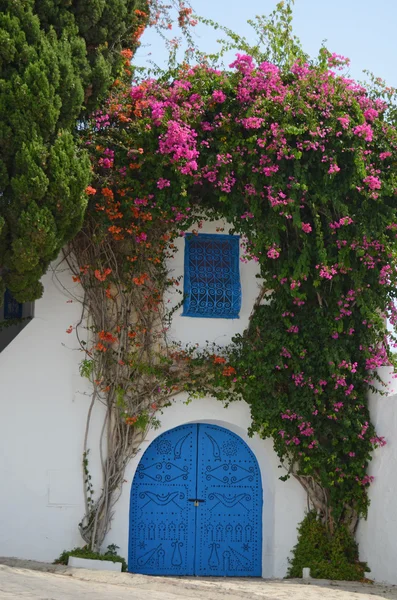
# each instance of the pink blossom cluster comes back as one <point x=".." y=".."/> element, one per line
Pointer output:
<point x="273" y="253"/>
<point x="343" y="221"/>
<point x="327" y="272"/>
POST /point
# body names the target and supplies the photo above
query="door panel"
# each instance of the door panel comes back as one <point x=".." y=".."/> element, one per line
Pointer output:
<point x="196" y="506"/>
<point x="229" y="535"/>
<point x="162" y="520"/>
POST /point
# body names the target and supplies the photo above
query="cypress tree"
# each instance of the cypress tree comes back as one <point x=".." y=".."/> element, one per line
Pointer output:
<point x="57" y="62"/>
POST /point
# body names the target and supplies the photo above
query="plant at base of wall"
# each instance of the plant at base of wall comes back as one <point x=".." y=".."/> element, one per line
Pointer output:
<point x="328" y="556"/>
<point x="86" y="552"/>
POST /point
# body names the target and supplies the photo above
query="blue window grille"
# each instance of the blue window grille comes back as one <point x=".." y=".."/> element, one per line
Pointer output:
<point x="12" y="308"/>
<point x="212" y="286"/>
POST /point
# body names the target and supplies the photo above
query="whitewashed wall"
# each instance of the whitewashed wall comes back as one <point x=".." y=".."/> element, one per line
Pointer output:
<point x="43" y="408"/>
<point x="42" y="417"/>
<point x="377" y="536"/>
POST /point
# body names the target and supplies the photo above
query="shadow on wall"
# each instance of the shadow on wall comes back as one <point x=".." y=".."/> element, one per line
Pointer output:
<point x="14" y="316"/>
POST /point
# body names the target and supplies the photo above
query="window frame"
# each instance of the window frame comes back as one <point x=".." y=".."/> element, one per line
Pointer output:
<point x="234" y="241"/>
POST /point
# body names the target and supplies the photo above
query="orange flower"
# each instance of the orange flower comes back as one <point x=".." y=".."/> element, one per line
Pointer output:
<point x="141" y="279"/>
<point x="132" y="334"/>
<point x="124" y="118"/>
<point x="228" y="371"/>
<point x="101" y="347"/>
<point x="106" y="336"/>
<point x="107" y="192"/>
<point x="127" y="53"/>
<point x="131" y="420"/>
<point x="69" y="329"/>
<point x="219" y="360"/>
<point x="76" y="278"/>
<point x="108" y="293"/>
<point x="115" y="230"/>
<point x="102" y="276"/>
<point x="90" y="190"/>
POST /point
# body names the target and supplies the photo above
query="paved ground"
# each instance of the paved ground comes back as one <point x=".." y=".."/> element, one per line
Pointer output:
<point x="48" y="582"/>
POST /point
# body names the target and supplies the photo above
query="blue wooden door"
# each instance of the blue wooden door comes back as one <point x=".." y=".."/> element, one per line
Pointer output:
<point x="229" y="520"/>
<point x="196" y="506"/>
<point x="162" y="520"/>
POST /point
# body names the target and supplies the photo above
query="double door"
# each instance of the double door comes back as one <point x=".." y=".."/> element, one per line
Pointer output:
<point x="196" y="505"/>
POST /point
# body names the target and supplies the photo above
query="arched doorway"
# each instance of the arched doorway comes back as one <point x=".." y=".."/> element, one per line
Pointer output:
<point x="196" y="505"/>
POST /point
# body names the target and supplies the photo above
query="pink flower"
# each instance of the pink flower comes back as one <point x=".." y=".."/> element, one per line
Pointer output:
<point x="252" y="122"/>
<point x="364" y="131"/>
<point x="327" y="272"/>
<point x="273" y="253"/>
<point x="162" y="183"/>
<point x="370" y="114"/>
<point x="218" y="96"/>
<point x="142" y="237"/>
<point x="342" y="221"/>
<point x="378" y="441"/>
<point x="333" y="168"/>
<point x="306" y="227"/>
<point x="384" y="155"/>
<point x="344" y="121"/>
<point x="374" y="183"/>
<point x="293" y="329"/>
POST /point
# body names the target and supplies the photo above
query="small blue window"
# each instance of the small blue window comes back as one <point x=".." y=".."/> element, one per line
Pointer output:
<point x="212" y="286"/>
<point x="12" y="308"/>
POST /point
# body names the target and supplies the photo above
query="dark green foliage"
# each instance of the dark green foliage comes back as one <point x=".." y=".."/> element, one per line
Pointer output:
<point x="328" y="556"/>
<point x="104" y="26"/>
<point x="85" y="552"/>
<point x="57" y="61"/>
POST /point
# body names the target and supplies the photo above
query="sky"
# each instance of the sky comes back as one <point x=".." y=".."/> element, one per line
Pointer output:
<point x="363" y="30"/>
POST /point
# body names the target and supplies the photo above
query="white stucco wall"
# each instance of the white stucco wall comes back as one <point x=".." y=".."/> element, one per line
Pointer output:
<point x="43" y="408"/>
<point x="42" y="416"/>
<point x="378" y="534"/>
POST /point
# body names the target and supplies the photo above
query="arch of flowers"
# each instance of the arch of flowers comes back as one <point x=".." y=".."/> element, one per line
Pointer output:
<point x="300" y="160"/>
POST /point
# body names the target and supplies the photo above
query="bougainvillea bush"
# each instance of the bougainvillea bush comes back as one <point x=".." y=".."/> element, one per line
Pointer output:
<point x="300" y="159"/>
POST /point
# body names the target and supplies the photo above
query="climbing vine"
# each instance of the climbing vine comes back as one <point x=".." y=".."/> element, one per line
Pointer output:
<point x="300" y="160"/>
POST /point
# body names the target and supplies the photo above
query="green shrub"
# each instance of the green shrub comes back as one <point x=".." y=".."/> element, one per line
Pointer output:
<point x="85" y="552"/>
<point x="328" y="556"/>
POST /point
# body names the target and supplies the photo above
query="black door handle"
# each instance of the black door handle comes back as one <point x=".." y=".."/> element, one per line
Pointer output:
<point x="195" y="500"/>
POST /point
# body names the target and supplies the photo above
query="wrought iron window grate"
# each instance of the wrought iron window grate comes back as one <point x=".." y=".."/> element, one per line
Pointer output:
<point x="212" y="287"/>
